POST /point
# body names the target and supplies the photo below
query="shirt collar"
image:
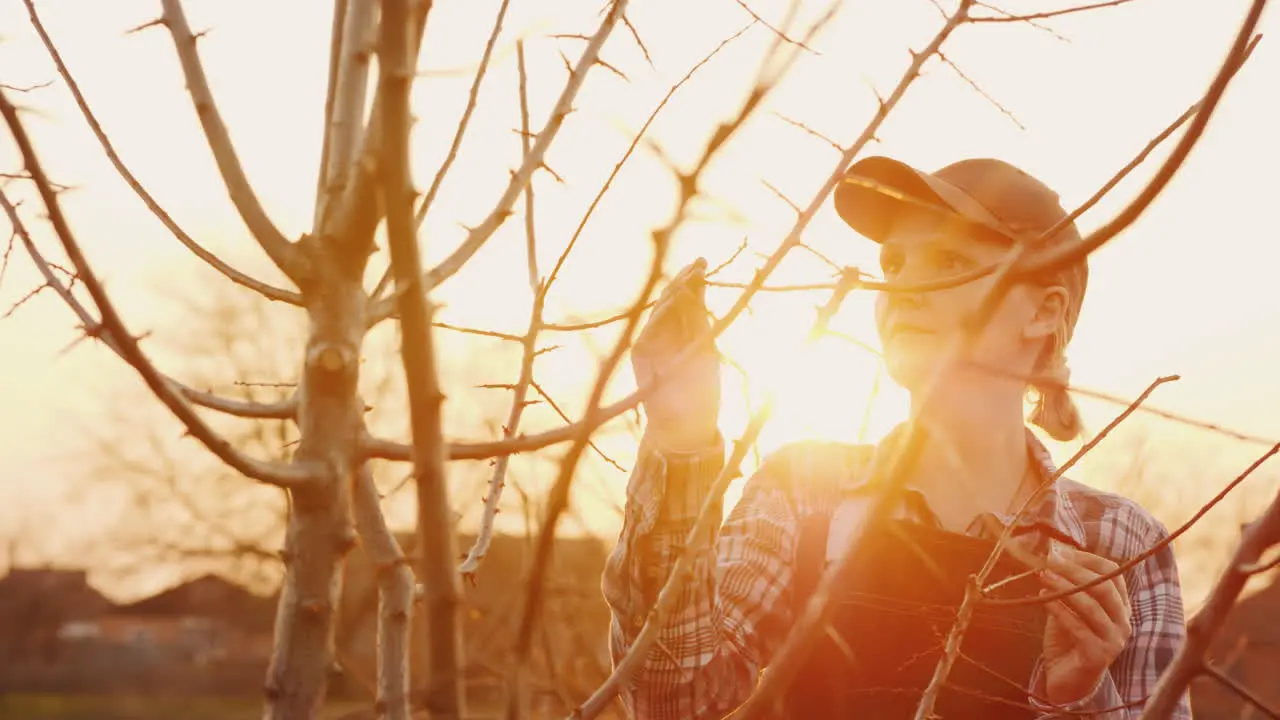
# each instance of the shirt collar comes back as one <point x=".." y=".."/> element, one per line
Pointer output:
<point x="1051" y="511"/>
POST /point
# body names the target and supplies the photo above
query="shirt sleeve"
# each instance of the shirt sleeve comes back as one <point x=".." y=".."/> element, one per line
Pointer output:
<point x="730" y="614"/>
<point x="1159" y="629"/>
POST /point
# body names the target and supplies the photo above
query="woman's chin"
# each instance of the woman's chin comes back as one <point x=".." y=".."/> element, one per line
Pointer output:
<point x="910" y="372"/>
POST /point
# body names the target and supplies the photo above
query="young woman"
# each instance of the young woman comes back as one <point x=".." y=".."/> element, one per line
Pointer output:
<point x="1096" y="653"/>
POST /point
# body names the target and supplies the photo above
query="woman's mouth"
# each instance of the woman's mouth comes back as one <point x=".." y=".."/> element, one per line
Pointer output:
<point x="908" y="330"/>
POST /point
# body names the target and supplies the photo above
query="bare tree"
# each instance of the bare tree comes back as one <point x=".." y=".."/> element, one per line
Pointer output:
<point x="365" y="186"/>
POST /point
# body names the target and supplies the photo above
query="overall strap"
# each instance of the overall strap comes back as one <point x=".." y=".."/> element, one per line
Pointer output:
<point x="811" y="559"/>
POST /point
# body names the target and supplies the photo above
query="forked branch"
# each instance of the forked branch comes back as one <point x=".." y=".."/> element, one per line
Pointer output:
<point x="532" y="162"/>
<point x="268" y="291"/>
<point x="112" y="325"/>
<point x="282" y="252"/>
<point x="279" y="410"/>
<point x="344" y="119"/>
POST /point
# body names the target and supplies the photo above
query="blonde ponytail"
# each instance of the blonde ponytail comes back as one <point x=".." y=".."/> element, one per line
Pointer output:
<point x="1055" y="411"/>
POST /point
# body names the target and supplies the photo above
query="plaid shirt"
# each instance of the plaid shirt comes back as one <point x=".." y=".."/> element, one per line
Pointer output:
<point x="734" y="611"/>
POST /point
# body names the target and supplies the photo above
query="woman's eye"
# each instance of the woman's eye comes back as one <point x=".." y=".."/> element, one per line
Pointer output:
<point x="889" y="264"/>
<point x="952" y="262"/>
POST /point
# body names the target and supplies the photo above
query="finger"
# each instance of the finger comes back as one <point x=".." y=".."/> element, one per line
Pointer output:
<point x="1085" y="606"/>
<point x="1111" y="594"/>
<point x="1098" y="564"/>
<point x="1069" y="622"/>
<point x="690" y="275"/>
<point x="681" y="312"/>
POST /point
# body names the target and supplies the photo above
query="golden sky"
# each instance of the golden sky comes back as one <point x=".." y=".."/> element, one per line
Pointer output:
<point x="1189" y="289"/>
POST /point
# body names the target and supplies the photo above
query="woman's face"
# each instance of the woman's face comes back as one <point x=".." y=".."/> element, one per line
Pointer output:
<point x="917" y="328"/>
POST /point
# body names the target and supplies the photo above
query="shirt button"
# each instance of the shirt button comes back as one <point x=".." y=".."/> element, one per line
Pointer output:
<point x="638" y="621"/>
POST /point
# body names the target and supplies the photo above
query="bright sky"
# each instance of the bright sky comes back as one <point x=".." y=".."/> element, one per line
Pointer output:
<point x="1186" y="290"/>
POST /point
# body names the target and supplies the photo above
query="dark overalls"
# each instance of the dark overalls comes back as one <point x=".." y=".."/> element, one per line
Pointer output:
<point x="892" y="622"/>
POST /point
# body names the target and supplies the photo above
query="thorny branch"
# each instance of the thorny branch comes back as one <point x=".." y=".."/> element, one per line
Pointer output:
<point x="282" y="252"/>
<point x="279" y="410"/>
<point x="167" y="220"/>
<point x="489" y="513"/>
<point x="417" y="350"/>
<point x="558" y="498"/>
<point x="458" y="134"/>
<point x="126" y="345"/>
<point x="532" y="162"/>
<point x="355" y="25"/>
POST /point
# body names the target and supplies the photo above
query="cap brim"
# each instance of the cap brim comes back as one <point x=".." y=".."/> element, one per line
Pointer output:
<point x="876" y="190"/>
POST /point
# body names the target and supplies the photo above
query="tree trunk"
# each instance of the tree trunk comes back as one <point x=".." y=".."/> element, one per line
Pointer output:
<point x="320" y="531"/>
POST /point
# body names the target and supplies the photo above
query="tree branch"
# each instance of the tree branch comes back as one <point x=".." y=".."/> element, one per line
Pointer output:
<point x="344" y="120"/>
<point x="484" y="536"/>
<point x="285" y="476"/>
<point x="395" y="598"/>
<point x="1189" y="660"/>
<point x="436" y="547"/>
<point x="1048" y="261"/>
<point x="699" y="536"/>
<point x="264" y="289"/>
<point x="282" y="252"/>
<point x="1046" y="14"/>
<point x="359" y="209"/>
<point x="558" y="498"/>
<point x="463" y="123"/>
<point x="533" y="160"/>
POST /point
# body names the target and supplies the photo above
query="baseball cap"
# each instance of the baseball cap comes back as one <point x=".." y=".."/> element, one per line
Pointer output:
<point x="990" y="193"/>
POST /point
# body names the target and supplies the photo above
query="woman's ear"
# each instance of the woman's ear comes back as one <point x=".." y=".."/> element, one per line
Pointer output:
<point x="1049" y="313"/>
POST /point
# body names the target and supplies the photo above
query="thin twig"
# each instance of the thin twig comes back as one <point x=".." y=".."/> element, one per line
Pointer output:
<point x="295" y="475"/>
<point x="480" y="548"/>
<point x="480" y="234"/>
<point x="264" y="289"/>
<point x="565" y="416"/>
<point x="776" y="31"/>
<point x="985" y="95"/>
<point x="558" y="497"/>
<point x="1046" y="14"/>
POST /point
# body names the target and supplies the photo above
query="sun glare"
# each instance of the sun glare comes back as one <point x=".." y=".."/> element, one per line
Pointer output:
<point x="830" y="389"/>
